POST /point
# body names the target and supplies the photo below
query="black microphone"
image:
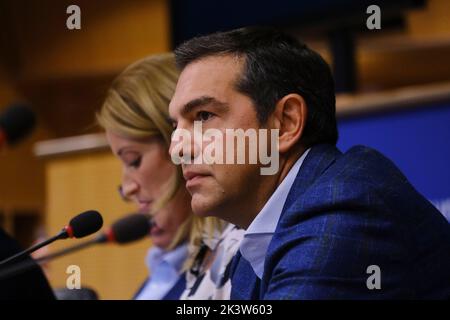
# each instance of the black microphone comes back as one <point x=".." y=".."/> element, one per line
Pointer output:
<point x="80" y="226"/>
<point x="15" y="124"/>
<point x="127" y="229"/>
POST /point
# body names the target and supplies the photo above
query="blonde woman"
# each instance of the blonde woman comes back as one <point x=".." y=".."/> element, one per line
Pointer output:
<point x="185" y="248"/>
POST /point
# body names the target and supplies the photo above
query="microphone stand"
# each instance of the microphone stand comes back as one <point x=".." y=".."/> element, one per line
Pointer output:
<point x="61" y="235"/>
<point x="12" y="271"/>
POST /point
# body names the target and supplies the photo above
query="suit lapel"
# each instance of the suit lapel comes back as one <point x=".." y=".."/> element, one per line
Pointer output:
<point x="319" y="158"/>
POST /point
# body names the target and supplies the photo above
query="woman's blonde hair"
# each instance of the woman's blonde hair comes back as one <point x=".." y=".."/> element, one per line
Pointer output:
<point x="136" y="107"/>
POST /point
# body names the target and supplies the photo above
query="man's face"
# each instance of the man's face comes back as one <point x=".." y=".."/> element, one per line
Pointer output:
<point x="206" y="92"/>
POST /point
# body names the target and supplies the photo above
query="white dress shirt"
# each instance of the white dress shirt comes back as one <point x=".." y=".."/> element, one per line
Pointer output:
<point x="258" y="235"/>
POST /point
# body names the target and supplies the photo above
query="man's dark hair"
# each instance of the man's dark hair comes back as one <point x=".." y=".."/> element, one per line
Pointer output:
<point x="276" y="64"/>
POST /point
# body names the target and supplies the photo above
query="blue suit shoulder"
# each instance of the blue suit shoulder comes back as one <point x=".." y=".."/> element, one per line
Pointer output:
<point x="346" y="212"/>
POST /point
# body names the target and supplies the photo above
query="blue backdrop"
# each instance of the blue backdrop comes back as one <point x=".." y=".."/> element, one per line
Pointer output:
<point x="417" y="140"/>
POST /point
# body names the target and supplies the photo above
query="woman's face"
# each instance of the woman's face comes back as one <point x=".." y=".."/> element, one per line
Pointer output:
<point x="147" y="168"/>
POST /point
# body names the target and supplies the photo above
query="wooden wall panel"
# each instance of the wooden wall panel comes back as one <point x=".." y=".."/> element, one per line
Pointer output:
<point x="113" y="34"/>
<point x="76" y="183"/>
<point x="21" y="174"/>
<point x="433" y="21"/>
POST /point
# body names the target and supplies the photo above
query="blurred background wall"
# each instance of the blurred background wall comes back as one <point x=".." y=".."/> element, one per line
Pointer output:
<point x="393" y="94"/>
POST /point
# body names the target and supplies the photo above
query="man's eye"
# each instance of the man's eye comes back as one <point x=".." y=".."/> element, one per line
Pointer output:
<point x="204" y="115"/>
<point x="136" y="163"/>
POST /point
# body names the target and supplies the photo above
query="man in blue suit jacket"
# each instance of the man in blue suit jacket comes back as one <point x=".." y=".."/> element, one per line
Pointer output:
<point x="325" y="225"/>
<point x="344" y="213"/>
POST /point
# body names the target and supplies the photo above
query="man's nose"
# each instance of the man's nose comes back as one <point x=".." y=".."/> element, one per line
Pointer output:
<point x="183" y="147"/>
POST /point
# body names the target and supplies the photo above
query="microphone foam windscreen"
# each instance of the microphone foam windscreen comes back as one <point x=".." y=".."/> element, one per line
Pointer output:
<point x="17" y="122"/>
<point x="86" y="223"/>
<point x="130" y="228"/>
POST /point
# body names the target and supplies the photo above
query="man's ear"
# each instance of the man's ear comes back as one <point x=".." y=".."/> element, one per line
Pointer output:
<point x="290" y="118"/>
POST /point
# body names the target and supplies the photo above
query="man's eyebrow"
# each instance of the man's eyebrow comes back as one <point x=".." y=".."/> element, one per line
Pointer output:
<point x="200" y="102"/>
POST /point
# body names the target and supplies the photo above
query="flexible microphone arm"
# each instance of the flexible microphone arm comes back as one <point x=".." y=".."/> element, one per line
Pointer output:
<point x="100" y="239"/>
<point x="61" y="235"/>
<point x="29" y="264"/>
<point x="80" y="226"/>
<point x="125" y="230"/>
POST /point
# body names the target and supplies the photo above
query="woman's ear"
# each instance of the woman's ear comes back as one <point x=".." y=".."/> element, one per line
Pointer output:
<point x="290" y="118"/>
